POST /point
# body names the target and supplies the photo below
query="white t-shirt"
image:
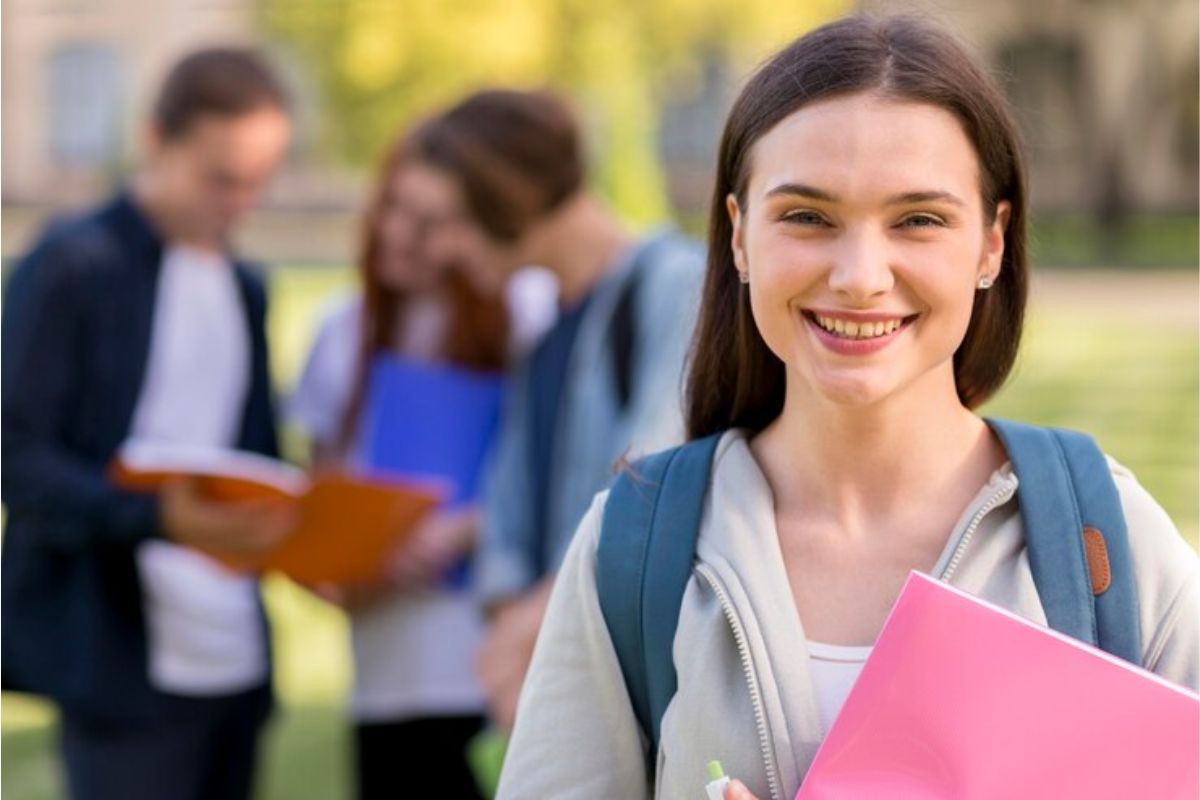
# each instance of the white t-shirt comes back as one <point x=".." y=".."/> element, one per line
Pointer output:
<point x="834" y="669"/>
<point x="205" y="636"/>
<point x="414" y="653"/>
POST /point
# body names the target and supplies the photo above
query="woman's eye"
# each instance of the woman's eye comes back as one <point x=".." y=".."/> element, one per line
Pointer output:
<point x="803" y="218"/>
<point x="922" y="221"/>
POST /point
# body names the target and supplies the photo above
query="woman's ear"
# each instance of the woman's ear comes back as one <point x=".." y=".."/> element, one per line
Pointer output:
<point x="736" y="243"/>
<point x="993" y="243"/>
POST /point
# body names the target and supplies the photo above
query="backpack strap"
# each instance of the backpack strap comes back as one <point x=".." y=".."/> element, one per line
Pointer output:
<point x="623" y="328"/>
<point x="1076" y="536"/>
<point x="643" y="563"/>
<point x="622" y="336"/>
<point x="1071" y="513"/>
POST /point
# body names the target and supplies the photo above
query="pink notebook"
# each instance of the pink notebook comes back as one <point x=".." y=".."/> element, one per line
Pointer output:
<point x="966" y="701"/>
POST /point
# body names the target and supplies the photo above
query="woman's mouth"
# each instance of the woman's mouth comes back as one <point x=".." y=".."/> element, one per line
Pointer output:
<point x="858" y="329"/>
<point x="856" y="336"/>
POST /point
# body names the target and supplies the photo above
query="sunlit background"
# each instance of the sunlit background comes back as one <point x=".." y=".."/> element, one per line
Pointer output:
<point x="1106" y="92"/>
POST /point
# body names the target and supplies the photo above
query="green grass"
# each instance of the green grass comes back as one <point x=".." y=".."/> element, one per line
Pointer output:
<point x="1113" y="354"/>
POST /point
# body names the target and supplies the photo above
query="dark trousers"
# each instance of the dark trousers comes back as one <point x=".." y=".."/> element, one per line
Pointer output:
<point x="396" y="759"/>
<point x="199" y="749"/>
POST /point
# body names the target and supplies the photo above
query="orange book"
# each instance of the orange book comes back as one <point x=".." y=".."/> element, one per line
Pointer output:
<point x="348" y="526"/>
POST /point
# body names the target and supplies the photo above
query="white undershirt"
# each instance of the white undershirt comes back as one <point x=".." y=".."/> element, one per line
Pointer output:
<point x="834" y="669"/>
<point x="204" y="633"/>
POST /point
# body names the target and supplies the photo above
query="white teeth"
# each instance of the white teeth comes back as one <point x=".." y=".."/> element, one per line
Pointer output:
<point x="856" y="330"/>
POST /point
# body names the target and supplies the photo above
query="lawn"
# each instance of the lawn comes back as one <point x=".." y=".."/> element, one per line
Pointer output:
<point x="1113" y="353"/>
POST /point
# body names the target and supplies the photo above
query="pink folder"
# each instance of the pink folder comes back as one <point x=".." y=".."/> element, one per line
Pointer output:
<point x="964" y="700"/>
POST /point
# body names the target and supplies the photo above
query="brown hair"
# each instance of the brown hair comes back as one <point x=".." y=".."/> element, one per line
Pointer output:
<point x="221" y="81"/>
<point x="477" y="336"/>
<point x="516" y="154"/>
<point x="735" y="380"/>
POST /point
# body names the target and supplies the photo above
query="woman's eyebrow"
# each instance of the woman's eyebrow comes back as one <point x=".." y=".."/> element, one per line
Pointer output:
<point x="802" y="190"/>
<point x="924" y="197"/>
<point x="904" y="198"/>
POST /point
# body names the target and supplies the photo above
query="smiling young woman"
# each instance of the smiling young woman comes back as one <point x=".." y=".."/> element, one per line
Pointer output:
<point x="865" y="292"/>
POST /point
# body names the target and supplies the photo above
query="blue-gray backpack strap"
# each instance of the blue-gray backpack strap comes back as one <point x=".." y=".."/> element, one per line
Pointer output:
<point x="643" y="563"/>
<point x="1076" y="536"/>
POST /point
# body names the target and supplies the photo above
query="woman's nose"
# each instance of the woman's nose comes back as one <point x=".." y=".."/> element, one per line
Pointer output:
<point x="862" y="267"/>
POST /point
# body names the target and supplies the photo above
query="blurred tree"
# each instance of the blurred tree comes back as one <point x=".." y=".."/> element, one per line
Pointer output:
<point x="380" y="63"/>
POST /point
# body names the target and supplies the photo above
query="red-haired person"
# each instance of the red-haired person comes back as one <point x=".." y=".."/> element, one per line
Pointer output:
<point x="416" y="702"/>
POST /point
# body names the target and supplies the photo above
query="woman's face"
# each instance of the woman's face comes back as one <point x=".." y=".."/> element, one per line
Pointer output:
<point x="454" y="239"/>
<point x="416" y="201"/>
<point x="864" y="237"/>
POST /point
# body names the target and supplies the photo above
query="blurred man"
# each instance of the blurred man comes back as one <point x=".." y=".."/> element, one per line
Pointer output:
<point x="134" y="321"/>
<point x="604" y="382"/>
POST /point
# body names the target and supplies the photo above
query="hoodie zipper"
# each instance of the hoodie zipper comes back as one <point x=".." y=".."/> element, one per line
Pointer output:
<point x="760" y="717"/>
<point x="1002" y="495"/>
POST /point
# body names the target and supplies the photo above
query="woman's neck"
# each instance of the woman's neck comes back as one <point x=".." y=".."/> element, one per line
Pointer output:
<point x="859" y="463"/>
<point x="579" y="243"/>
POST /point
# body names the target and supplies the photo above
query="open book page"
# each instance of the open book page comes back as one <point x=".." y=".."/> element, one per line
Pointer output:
<point x="143" y="464"/>
<point x="348" y="526"/>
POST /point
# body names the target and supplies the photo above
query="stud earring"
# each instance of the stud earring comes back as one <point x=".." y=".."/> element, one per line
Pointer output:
<point x="744" y="276"/>
<point x="985" y="282"/>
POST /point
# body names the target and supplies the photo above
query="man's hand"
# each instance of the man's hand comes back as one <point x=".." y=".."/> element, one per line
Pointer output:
<point x="507" y="650"/>
<point x="243" y="527"/>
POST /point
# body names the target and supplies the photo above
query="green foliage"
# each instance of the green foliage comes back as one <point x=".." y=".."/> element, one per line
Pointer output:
<point x="380" y="65"/>
<point x="1146" y="240"/>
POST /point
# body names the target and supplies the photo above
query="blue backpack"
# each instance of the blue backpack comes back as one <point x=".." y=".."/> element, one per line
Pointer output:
<point x="1074" y="529"/>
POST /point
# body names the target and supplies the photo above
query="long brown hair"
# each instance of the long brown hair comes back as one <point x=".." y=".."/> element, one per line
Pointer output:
<point x="477" y="335"/>
<point x="735" y="380"/>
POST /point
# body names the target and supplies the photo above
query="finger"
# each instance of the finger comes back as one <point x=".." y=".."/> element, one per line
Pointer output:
<point x="329" y="592"/>
<point x="736" y="790"/>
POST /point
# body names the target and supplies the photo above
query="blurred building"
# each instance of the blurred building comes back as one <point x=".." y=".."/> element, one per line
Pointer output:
<point x="78" y="79"/>
<point x="76" y="74"/>
<point x="1106" y="92"/>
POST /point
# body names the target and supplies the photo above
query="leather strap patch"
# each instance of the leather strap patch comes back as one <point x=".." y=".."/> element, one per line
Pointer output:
<point x="1097" y="559"/>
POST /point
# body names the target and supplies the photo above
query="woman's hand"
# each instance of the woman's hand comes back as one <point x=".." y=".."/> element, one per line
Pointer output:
<point x="736" y="790"/>
<point x="439" y="541"/>
<point x="437" y="544"/>
<point x="352" y="597"/>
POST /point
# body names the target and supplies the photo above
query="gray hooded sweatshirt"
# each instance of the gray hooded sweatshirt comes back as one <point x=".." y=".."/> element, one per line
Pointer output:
<point x="745" y="694"/>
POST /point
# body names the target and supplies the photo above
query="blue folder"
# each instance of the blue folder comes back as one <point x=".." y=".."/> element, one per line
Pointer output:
<point x="431" y="421"/>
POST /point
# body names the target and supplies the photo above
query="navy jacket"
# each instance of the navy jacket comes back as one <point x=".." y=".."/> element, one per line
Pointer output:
<point x="78" y="315"/>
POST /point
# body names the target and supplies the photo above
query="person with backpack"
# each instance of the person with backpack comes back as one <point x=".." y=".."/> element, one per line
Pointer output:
<point x="866" y="285"/>
<point x="604" y="381"/>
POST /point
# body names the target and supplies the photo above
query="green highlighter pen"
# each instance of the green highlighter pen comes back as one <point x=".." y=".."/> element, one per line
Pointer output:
<point x="718" y="780"/>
